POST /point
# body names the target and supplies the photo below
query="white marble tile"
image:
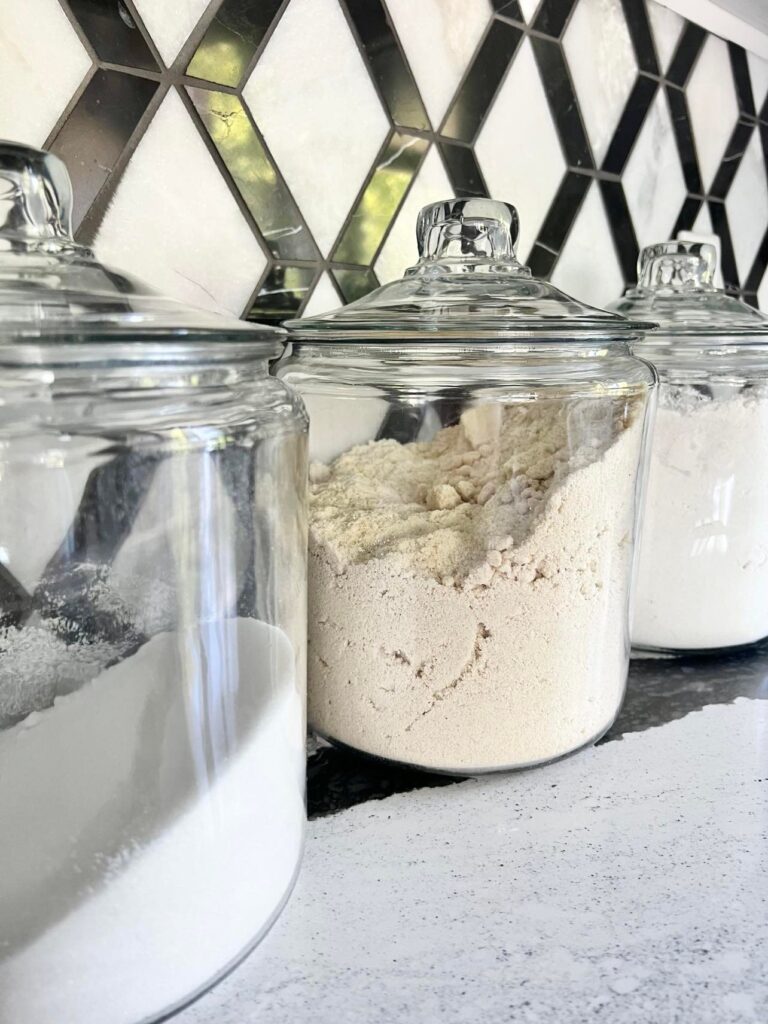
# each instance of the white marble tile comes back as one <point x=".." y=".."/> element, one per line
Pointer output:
<point x="758" y="73"/>
<point x="174" y="222"/>
<point x="439" y="38"/>
<point x="42" y="62"/>
<point x="623" y="884"/>
<point x="400" y="250"/>
<point x="518" y="149"/>
<point x="323" y="299"/>
<point x="312" y="97"/>
<point x="529" y="8"/>
<point x="603" y="67"/>
<point x="666" y="26"/>
<point x="712" y="103"/>
<point x="653" y="178"/>
<point x="588" y="267"/>
<point x="170" y="25"/>
<point x="747" y="206"/>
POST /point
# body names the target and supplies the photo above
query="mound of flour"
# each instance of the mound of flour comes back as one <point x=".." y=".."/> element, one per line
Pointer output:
<point x="703" y="565"/>
<point x="152" y="823"/>
<point x="469" y="594"/>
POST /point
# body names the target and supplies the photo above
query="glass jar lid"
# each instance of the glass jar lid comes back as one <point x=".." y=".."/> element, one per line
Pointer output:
<point x="53" y="290"/>
<point x="676" y="291"/>
<point x="467" y="284"/>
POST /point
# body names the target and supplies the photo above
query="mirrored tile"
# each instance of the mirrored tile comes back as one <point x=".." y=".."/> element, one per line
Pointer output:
<point x="282" y="294"/>
<point x="43" y="63"/>
<point x="482" y="81"/>
<point x="97" y="130"/>
<point x="439" y="38"/>
<point x="231" y="40"/>
<point x="389" y="68"/>
<point x="381" y="199"/>
<point x="112" y="32"/>
<point x="354" y="284"/>
<point x="254" y="174"/>
<point x="463" y="170"/>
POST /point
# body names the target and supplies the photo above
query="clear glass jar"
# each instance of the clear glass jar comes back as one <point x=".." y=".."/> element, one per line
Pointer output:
<point x="152" y="629"/>
<point x="702" y="581"/>
<point x="475" y="441"/>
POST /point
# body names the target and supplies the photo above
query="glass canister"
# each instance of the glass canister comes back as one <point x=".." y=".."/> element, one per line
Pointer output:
<point x="702" y="579"/>
<point x="475" y="441"/>
<point x="152" y="625"/>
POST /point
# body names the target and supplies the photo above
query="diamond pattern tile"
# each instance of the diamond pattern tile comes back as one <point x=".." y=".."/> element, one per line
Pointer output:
<point x="42" y="63"/>
<point x="439" y="38"/>
<point x="269" y="156"/>
<point x="324" y="147"/>
<point x="713" y="108"/>
<point x="190" y="241"/>
<point x="653" y="179"/>
<point x="399" y="250"/>
<point x="602" y="61"/>
<point x="588" y="266"/>
<point x="747" y="207"/>
<point x="518" y="148"/>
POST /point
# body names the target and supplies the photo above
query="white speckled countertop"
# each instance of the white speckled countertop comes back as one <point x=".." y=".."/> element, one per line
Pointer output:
<point x="627" y="884"/>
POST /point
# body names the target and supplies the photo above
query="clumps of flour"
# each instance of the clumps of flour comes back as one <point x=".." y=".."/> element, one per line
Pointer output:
<point x="469" y="594"/>
<point x="703" y="562"/>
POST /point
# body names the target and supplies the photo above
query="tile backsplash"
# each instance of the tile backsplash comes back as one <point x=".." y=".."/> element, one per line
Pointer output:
<point x="270" y="156"/>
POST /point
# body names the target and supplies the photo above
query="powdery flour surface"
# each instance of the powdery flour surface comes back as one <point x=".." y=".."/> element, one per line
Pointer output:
<point x="703" y="566"/>
<point x="468" y="595"/>
<point x="627" y="884"/>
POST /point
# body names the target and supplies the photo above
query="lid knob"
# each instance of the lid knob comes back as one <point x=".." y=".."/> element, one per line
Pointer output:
<point x="677" y="266"/>
<point x="35" y="195"/>
<point x="468" y="229"/>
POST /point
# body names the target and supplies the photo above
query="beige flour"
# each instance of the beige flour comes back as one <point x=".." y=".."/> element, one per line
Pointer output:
<point x="469" y="595"/>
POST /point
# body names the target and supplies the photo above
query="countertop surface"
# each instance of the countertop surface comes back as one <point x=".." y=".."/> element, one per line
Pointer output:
<point x="628" y="883"/>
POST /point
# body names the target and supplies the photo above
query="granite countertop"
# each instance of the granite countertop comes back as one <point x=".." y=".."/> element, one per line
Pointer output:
<point x="628" y="883"/>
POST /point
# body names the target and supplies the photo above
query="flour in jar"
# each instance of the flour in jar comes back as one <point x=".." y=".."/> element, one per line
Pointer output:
<point x="469" y="594"/>
<point x="703" y="561"/>
<point x="152" y="817"/>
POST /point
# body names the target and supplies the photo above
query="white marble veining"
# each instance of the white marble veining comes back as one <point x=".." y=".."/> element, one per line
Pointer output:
<point x="603" y="66"/>
<point x="653" y="178"/>
<point x="712" y="105"/>
<point x="323" y="299"/>
<point x="439" y="38"/>
<point x="626" y="884"/>
<point x="312" y="97"/>
<point x="518" y="149"/>
<point x="758" y="73"/>
<point x="189" y="240"/>
<point x="170" y="25"/>
<point x="666" y="26"/>
<point x="42" y="62"/>
<point x="400" y="250"/>
<point x="588" y="266"/>
<point x="747" y="206"/>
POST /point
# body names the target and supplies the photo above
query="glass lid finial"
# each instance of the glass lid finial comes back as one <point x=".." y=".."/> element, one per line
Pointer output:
<point x="35" y="197"/>
<point x="677" y="266"/>
<point x="464" y="229"/>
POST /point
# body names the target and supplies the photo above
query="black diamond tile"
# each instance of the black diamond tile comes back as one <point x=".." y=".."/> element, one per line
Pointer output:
<point x="681" y="123"/>
<point x="622" y="229"/>
<point x="632" y="120"/>
<point x="742" y="79"/>
<point x="719" y="219"/>
<point x="563" y="103"/>
<point x="482" y="81"/>
<point x="563" y="211"/>
<point x="636" y="15"/>
<point x="689" y="47"/>
<point x="757" y="272"/>
<point x="388" y="66"/>
<point x="510" y="9"/>
<point x="734" y="152"/>
<point x="463" y="170"/>
<point x="226" y="51"/>
<point x="552" y="17"/>
<point x="114" y="34"/>
<point x="98" y="129"/>
<point x="689" y="211"/>
<point x="541" y="261"/>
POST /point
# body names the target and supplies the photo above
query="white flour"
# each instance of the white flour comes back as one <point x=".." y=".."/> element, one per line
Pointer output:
<point x="152" y="824"/>
<point x="703" y="568"/>
<point x="469" y="595"/>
